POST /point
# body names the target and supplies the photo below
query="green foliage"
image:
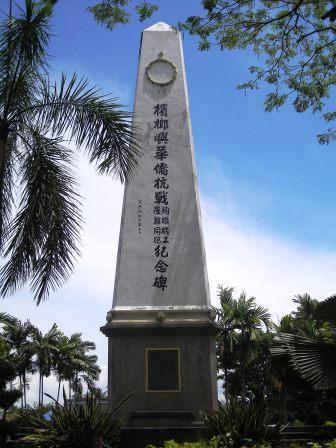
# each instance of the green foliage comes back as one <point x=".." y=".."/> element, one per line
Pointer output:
<point x="240" y="424"/>
<point x="113" y="12"/>
<point x="8" y="372"/>
<point x="292" y="39"/>
<point x="213" y="443"/>
<point x="86" y="425"/>
<point x="7" y="428"/>
<point x="312" y="347"/>
<point x="240" y="342"/>
<point x="323" y="444"/>
<point x="25" y="350"/>
<point x="39" y="239"/>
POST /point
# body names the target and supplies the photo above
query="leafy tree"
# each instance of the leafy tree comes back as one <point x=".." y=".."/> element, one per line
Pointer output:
<point x="40" y="241"/>
<point x="112" y="12"/>
<point x="294" y="40"/>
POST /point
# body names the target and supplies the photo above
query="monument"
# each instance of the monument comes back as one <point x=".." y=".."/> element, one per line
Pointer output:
<point x="161" y="326"/>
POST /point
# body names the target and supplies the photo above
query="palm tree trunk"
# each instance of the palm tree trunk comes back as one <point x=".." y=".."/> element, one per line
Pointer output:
<point x="76" y="391"/>
<point x="40" y="386"/>
<point x="59" y="388"/>
<point x="21" y="390"/>
<point x="243" y="385"/>
<point x="69" y="389"/>
<point x="226" y="393"/>
<point x="284" y="398"/>
<point x="24" y="381"/>
<point x="42" y="391"/>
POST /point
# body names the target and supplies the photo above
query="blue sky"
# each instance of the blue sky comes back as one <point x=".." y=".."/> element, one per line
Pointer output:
<point x="276" y="155"/>
<point x="267" y="187"/>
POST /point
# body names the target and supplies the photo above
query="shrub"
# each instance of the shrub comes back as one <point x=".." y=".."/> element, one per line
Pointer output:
<point x="213" y="443"/>
<point x="86" y="425"/>
<point x="240" y="424"/>
<point x="6" y="429"/>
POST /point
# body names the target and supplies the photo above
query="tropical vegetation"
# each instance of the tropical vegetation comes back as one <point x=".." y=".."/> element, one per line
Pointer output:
<point x="86" y="425"/>
<point x="40" y="221"/>
<point x="294" y="43"/>
<point x="239" y="423"/>
<point x="28" y="351"/>
<point x="289" y="365"/>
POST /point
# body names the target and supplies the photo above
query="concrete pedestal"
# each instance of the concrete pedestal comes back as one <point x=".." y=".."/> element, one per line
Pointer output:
<point x="131" y="335"/>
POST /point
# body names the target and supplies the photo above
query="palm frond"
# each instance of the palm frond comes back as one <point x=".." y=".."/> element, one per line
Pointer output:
<point x="7" y="318"/>
<point x="24" y="39"/>
<point x="45" y="232"/>
<point x="314" y="359"/>
<point x="92" y="120"/>
<point x="7" y="170"/>
<point x="326" y="310"/>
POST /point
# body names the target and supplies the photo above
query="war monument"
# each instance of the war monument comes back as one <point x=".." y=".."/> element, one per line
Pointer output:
<point x="161" y="326"/>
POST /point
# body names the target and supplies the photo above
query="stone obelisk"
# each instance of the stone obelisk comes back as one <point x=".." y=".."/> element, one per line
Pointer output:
<point x="161" y="325"/>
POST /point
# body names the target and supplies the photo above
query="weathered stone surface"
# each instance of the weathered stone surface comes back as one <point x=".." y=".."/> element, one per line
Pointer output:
<point x="183" y="249"/>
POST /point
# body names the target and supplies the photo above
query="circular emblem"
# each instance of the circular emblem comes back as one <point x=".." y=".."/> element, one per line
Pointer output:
<point x="161" y="72"/>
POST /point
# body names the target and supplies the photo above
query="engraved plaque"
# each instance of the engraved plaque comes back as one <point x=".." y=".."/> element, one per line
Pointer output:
<point x="163" y="370"/>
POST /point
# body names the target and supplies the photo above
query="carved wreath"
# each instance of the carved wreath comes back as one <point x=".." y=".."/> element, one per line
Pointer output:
<point x="166" y="61"/>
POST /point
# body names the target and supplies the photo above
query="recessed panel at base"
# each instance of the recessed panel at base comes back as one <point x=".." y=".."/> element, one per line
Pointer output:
<point x="163" y="370"/>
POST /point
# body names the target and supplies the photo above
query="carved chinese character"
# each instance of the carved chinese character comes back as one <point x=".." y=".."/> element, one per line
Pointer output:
<point x="161" y="267"/>
<point x="161" y="109"/>
<point x="157" y="210"/>
<point x="157" y="240"/>
<point x="164" y="230"/>
<point x="156" y="220"/>
<point x="161" y="168"/>
<point x="161" y="137"/>
<point x="161" y="183"/>
<point x="161" y="197"/>
<point x="161" y="123"/>
<point x="165" y="240"/>
<point x="161" y="251"/>
<point x="160" y="282"/>
<point x="157" y="230"/>
<point x="165" y="220"/>
<point x="165" y="210"/>
<point x="161" y="152"/>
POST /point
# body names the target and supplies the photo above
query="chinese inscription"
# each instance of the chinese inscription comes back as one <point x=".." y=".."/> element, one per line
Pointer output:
<point x="139" y="216"/>
<point x="161" y="205"/>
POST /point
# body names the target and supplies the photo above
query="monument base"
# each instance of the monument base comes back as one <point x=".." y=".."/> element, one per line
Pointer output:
<point x="167" y="360"/>
<point x="142" y="437"/>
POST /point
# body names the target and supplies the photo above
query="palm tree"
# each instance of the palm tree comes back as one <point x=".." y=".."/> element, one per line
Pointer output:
<point x="73" y="364"/>
<point x="18" y="335"/>
<point x="227" y="337"/>
<point x="45" y="347"/>
<point x="63" y="360"/>
<point x="313" y="355"/>
<point x="40" y="240"/>
<point x="242" y="322"/>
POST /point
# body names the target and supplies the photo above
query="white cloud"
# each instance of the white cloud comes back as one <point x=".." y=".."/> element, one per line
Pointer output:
<point x="269" y="267"/>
